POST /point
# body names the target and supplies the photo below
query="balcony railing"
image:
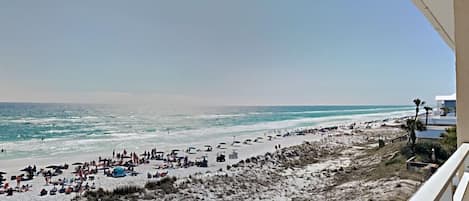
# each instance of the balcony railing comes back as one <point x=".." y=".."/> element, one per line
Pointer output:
<point x="450" y="181"/>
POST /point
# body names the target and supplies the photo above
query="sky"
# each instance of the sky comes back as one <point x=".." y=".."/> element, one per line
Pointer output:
<point x="243" y="52"/>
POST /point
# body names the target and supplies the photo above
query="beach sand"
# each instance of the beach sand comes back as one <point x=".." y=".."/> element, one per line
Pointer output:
<point x="12" y="167"/>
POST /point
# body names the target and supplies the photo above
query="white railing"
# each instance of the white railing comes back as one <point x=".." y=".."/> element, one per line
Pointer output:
<point x="443" y="184"/>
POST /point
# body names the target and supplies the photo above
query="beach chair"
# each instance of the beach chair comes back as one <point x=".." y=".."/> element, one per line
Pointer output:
<point x="220" y="157"/>
<point x="62" y="190"/>
<point x="53" y="191"/>
<point x="233" y="155"/>
<point x="9" y="192"/>
<point x="43" y="192"/>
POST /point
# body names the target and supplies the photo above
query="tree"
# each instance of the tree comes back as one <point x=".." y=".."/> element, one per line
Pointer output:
<point x="427" y="109"/>
<point x="418" y="103"/>
<point x="411" y="125"/>
<point x="449" y="139"/>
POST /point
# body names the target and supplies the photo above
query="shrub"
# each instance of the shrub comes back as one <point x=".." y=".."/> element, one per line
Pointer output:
<point x="165" y="184"/>
<point x="406" y="151"/>
<point x="392" y="161"/>
<point x="449" y="139"/>
<point x="423" y="150"/>
<point x="126" y="190"/>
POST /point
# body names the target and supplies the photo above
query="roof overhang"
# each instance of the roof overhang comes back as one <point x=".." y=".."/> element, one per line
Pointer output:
<point x="440" y="13"/>
<point x="446" y="98"/>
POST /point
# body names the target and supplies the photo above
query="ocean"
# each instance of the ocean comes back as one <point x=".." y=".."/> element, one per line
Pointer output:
<point x="31" y="130"/>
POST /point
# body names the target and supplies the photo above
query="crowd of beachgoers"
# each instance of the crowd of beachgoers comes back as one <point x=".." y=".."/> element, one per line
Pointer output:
<point x="59" y="182"/>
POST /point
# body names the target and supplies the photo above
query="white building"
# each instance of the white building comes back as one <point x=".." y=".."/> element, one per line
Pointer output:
<point x="448" y="102"/>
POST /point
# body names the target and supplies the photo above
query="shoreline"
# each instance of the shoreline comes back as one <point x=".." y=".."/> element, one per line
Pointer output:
<point x="244" y="151"/>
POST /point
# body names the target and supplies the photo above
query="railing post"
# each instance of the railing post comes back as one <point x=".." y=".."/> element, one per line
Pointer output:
<point x="448" y="194"/>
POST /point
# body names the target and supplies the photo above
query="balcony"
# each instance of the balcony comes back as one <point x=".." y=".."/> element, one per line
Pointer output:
<point x="450" y="181"/>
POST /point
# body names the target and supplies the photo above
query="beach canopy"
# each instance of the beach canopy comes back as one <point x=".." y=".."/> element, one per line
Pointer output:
<point x="118" y="172"/>
<point x="103" y="168"/>
<point x="2" y="173"/>
<point x="53" y="166"/>
<point x="27" y="169"/>
<point x="130" y="165"/>
<point x="78" y="163"/>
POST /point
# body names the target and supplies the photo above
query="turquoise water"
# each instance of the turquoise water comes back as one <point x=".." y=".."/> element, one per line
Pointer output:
<point x="31" y="130"/>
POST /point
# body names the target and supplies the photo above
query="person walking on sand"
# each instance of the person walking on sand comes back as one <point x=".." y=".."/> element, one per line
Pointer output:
<point x="18" y="180"/>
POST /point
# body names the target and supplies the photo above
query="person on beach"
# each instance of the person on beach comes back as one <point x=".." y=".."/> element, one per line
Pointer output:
<point x="18" y="180"/>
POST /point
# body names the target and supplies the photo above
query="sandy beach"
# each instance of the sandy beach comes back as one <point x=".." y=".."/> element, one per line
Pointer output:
<point x="325" y="137"/>
<point x="328" y="137"/>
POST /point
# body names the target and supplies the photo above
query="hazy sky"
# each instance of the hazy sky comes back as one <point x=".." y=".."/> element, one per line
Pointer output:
<point x="221" y="52"/>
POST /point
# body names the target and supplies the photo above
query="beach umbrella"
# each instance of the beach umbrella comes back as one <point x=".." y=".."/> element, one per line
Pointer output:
<point x="14" y="177"/>
<point x="2" y="173"/>
<point x="207" y="145"/>
<point x="118" y="172"/>
<point x="260" y="138"/>
<point x="53" y="166"/>
<point x="103" y="168"/>
<point x="26" y="169"/>
<point x="130" y="165"/>
<point x="222" y="143"/>
<point x="248" y="140"/>
<point x="236" y="142"/>
<point x="175" y="150"/>
<point x="78" y="163"/>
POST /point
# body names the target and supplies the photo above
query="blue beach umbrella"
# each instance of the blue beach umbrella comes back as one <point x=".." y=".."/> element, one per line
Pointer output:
<point x="118" y="172"/>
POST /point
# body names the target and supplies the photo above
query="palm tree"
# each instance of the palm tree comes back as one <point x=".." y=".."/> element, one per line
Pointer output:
<point x="409" y="126"/>
<point x="418" y="103"/>
<point x="413" y="124"/>
<point x="427" y="109"/>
